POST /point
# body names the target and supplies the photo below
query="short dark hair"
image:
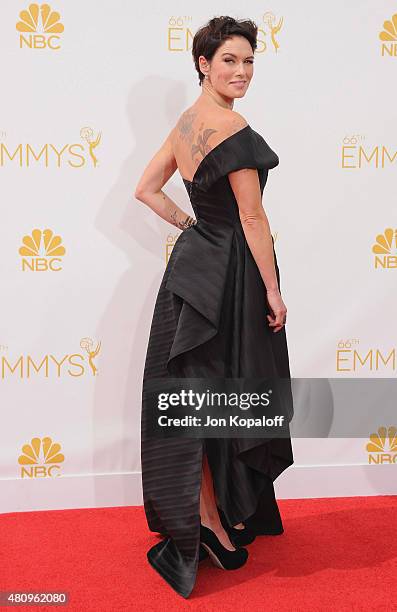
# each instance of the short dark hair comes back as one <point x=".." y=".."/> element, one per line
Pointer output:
<point x="218" y="29"/>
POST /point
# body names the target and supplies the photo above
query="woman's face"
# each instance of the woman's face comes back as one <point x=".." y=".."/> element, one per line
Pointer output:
<point x="231" y="68"/>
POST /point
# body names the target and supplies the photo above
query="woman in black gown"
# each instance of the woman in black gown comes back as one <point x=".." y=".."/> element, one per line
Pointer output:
<point x="218" y="314"/>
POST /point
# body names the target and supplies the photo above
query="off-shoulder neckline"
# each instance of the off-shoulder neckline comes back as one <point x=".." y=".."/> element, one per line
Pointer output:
<point x="213" y="150"/>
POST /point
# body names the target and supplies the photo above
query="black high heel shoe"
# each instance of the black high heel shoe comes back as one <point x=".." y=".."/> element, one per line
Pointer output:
<point x="269" y="521"/>
<point x="221" y="556"/>
<point x="238" y="537"/>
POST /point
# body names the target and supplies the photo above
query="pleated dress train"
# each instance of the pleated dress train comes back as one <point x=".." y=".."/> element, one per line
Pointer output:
<point x="210" y="321"/>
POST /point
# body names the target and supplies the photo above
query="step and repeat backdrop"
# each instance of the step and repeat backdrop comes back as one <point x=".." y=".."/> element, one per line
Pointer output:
<point x="90" y="89"/>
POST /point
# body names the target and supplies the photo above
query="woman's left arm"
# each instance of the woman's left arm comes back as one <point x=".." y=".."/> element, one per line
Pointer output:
<point x="149" y="189"/>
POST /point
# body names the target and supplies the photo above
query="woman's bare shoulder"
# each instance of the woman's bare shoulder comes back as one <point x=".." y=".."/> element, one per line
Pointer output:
<point x="222" y="121"/>
<point x="235" y="121"/>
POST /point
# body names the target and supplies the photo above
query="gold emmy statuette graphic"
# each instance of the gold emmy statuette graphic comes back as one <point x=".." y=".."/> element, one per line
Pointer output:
<point x="87" y="344"/>
<point x="42" y="456"/>
<point x="41" y="251"/>
<point x="270" y="20"/>
<point x="87" y="134"/>
<point x="39" y="27"/>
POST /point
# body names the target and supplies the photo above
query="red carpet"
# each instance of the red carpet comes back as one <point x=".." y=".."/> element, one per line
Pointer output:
<point x="334" y="554"/>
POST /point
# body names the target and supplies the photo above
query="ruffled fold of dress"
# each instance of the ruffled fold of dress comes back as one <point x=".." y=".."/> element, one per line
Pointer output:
<point x="198" y="276"/>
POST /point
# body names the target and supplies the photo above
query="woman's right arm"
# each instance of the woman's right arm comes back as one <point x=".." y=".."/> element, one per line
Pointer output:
<point x="149" y="189"/>
<point x="166" y="208"/>
<point x="246" y="189"/>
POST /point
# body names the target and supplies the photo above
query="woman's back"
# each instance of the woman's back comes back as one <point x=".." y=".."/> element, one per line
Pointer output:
<point x="199" y="129"/>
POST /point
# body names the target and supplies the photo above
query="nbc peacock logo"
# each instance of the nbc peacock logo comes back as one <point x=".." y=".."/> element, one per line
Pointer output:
<point x="382" y="447"/>
<point x="388" y="36"/>
<point x="385" y="249"/>
<point x="41" y="251"/>
<point x="39" y="27"/>
<point x="41" y="458"/>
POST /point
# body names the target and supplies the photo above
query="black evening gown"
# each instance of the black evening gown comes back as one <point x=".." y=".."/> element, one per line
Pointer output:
<point x="210" y="321"/>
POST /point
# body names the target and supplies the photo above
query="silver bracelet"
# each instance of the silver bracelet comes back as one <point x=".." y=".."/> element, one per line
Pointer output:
<point x="188" y="222"/>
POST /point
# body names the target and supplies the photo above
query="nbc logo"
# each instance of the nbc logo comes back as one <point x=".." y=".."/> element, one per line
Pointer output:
<point x="39" y="27"/>
<point x="388" y="36"/>
<point x="41" y="251"/>
<point x="41" y="458"/>
<point x="383" y="446"/>
<point x="384" y="249"/>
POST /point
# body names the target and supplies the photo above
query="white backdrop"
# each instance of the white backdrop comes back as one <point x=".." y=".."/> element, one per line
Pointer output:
<point x="96" y="91"/>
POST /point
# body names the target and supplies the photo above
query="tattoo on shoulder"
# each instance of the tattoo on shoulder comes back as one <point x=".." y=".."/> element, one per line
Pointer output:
<point x="185" y="126"/>
<point x="201" y="146"/>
